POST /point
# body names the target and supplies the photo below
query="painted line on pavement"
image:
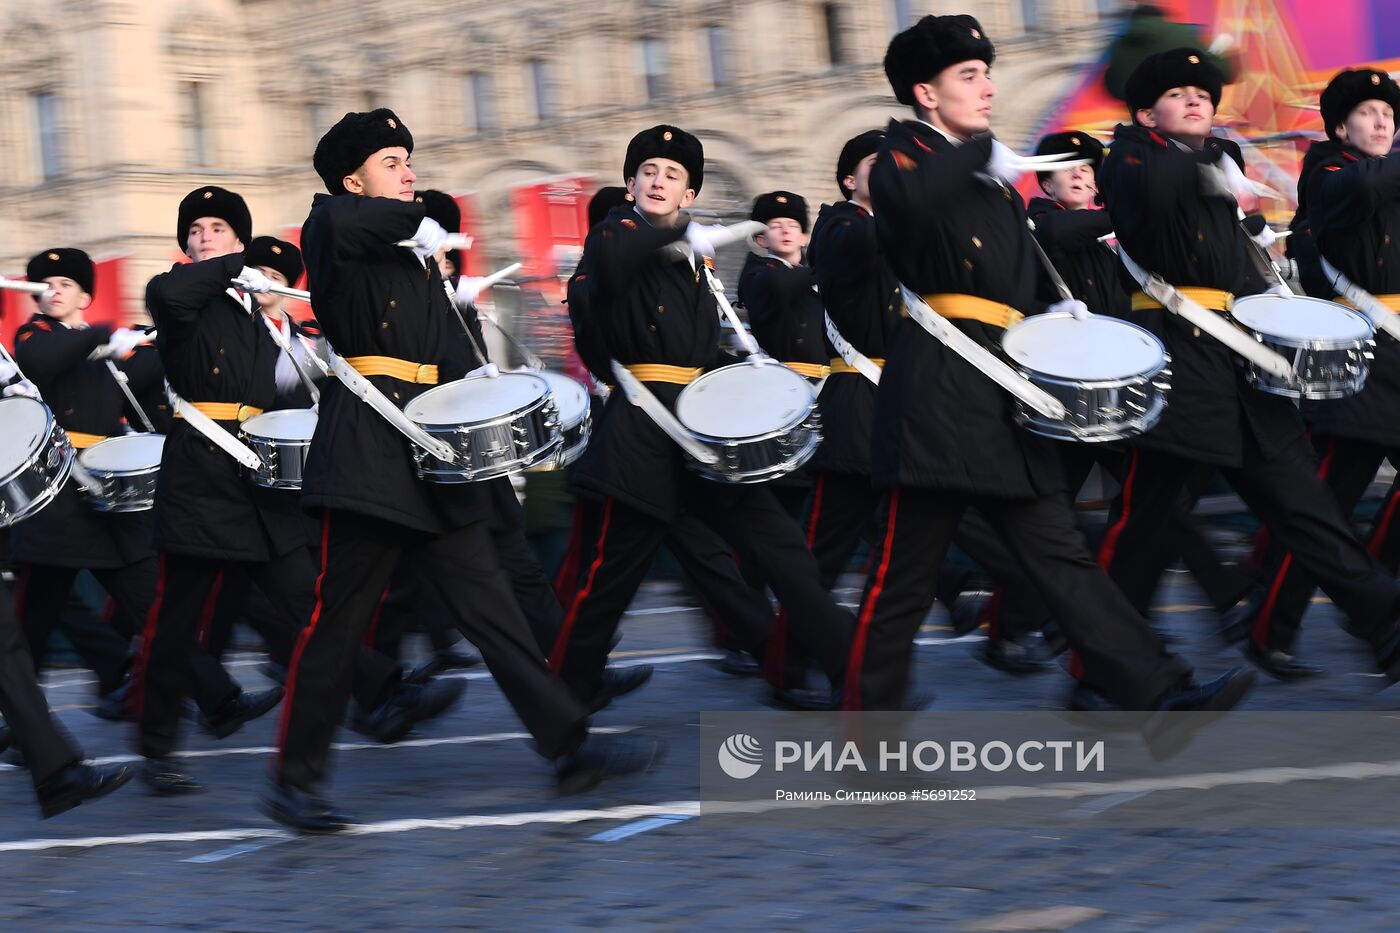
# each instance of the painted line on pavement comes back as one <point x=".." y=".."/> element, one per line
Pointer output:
<point x="628" y="830"/>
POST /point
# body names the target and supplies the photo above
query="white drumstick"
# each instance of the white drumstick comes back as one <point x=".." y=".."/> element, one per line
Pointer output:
<point x="499" y="275"/>
<point x="283" y="290"/>
<point x="453" y="241"/>
<point x="104" y="351"/>
<point x="32" y="288"/>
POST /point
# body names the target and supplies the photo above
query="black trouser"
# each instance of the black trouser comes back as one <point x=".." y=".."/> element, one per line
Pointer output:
<point x="187" y="596"/>
<point x="42" y="595"/>
<point x="1346" y="467"/>
<point x="1283" y="492"/>
<point x="358" y="557"/>
<point x="840" y="513"/>
<point x="46" y="745"/>
<point x="1123" y="656"/>
<point x="620" y="543"/>
<point x="240" y="600"/>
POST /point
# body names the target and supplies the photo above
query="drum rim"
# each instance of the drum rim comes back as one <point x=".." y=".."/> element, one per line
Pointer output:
<point x="67" y="457"/>
<point x="1111" y="383"/>
<point x="50" y="428"/>
<point x="278" y="441"/>
<point x="139" y="471"/>
<point x="806" y="415"/>
<point x="1305" y="343"/>
<point x="547" y="398"/>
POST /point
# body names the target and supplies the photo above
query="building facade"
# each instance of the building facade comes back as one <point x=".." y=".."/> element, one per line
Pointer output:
<point x="108" y="122"/>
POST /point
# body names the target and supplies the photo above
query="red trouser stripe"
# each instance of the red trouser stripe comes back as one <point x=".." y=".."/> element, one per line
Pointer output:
<point x="561" y="643"/>
<point x="1110" y="540"/>
<point x="815" y="518"/>
<point x="301" y="642"/>
<point x="1260" y="631"/>
<point x="566" y="580"/>
<point x="209" y="610"/>
<point x="1382" y="528"/>
<point x="851" y="700"/>
<point x="143" y="653"/>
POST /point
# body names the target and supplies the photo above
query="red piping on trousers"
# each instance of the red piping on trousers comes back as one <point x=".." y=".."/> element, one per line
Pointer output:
<point x="566" y="579"/>
<point x="1110" y="540"/>
<point x="1383" y="526"/>
<point x="1259" y="632"/>
<point x="148" y="636"/>
<point x="301" y="642"/>
<point x="851" y="701"/>
<point x="561" y="643"/>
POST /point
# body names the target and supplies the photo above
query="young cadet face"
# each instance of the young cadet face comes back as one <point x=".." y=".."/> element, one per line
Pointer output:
<point x="209" y="237"/>
<point x="959" y="98"/>
<point x="1183" y="113"/>
<point x="387" y="173"/>
<point x="1370" y="127"/>
<point x="858" y="182"/>
<point x="661" y="189"/>
<point x="1073" y="187"/>
<point x="266" y="300"/>
<point x="783" y="237"/>
<point x="68" y="301"/>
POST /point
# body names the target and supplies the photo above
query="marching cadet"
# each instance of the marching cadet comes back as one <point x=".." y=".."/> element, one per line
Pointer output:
<point x="1349" y="200"/>
<point x="954" y="230"/>
<point x="218" y="357"/>
<point x="662" y="323"/>
<point x="280" y="261"/>
<point x="1166" y="182"/>
<point x="385" y="311"/>
<point x="62" y="780"/>
<point x="69" y="535"/>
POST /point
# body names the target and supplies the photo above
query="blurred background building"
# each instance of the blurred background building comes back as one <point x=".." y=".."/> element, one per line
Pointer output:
<point x="521" y="109"/>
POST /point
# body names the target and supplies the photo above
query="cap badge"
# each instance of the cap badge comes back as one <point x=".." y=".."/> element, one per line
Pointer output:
<point x="1074" y="140"/>
<point x="208" y="195"/>
<point x="277" y="250"/>
<point x="392" y="124"/>
<point x="666" y="136"/>
<point x="976" y="34"/>
<point x="1375" y="79"/>
<point x="781" y="199"/>
<point x="53" y="257"/>
<point x="1194" y="59"/>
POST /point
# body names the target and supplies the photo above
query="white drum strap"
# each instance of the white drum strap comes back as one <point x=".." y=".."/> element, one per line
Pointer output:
<point x="371" y="396"/>
<point x="214" y="432"/>
<point x="1382" y="318"/>
<point x="853" y="357"/>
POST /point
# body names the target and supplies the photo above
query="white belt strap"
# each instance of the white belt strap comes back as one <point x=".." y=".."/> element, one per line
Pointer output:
<point x="214" y="432"/>
<point x="853" y="357"/>
<point x="371" y="396"/>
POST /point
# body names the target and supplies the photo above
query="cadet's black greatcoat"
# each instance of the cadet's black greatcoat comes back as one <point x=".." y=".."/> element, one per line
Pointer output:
<point x="215" y="350"/>
<point x="861" y="296"/>
<point x="1090" y="268"/>
<point x="84" y="397"/>
<point x="1165" y="222"/>
<point x="370" y="298"/>
<point x="784" y="311"/>
<point x="658" y="311"/>
<point x="939" y="422"/>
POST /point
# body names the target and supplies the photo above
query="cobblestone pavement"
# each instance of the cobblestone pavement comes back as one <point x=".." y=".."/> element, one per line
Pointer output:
<point x="495" y="848"/>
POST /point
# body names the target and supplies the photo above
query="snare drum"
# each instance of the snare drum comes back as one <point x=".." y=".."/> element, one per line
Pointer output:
<point x="1111" y="376"/>
<point x="496" y="426"/>
<point x="282" y="439"/>
<point x="761" y="420"/>
<point x="125" y="468"/>
<point x="575" y="417"/>
<point x="1327" y="343"/>
<point x="35" y="458"/>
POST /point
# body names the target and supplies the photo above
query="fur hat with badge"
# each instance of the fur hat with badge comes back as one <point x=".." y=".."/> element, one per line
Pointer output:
<point x="1184" y="67"/>
<point x="666" y="142"/>
<point x="1349" y="88"/>
<point x="1075" y="142"/>
<point x="272" y="253"/>
<point x="920" y="52"/>
<point x="769" y="207"/>
<point x="856" y="148"/>
<point x="213" y="201"/>
<point x="354" y="138"/>
<point x="70" y="263"/>
<point x="602" y="203"/>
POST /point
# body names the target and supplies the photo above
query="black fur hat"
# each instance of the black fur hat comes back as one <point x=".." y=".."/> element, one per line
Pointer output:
<point x="1071" y="141"/>
<point x="356" y="137"/>
<point x="930" y="45"/>
<point x="1345" y="92"/>
<point x="856" y="148"/>
<point x="1184" y="67"/>
<point x="277" y="254"/>
<point x="667" y="142"/>
<point x="67" y="262"/>
<point x="213" y="201"/>
<point x="604" y="201"/>
<point x="777" y="204"/>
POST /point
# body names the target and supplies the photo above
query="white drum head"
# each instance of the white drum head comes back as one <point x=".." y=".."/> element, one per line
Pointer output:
<point x="1301" y="318"/>
<point x="24" y="424"/>
<point x="291" y="424"/>
<point x="476" y="398"/>
<point x="570" y="395"/>
<point x="1101" y="348"/>
<point x="124" y="454"/>
<point x="744" y="400"/>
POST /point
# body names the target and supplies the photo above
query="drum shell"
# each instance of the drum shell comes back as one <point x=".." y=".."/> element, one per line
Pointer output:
<point x="35" y="482"/>
<point x="762" y="457"/>
<point x="494" y="447"/>
<point x="121" y="490"/>
<point x="284" y="459"/>
<point x="1327" y="368"/>
<point x="576" y="433"/>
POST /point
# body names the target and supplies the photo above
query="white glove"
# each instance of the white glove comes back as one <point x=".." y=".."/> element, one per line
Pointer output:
<point x="251" y="279"/>
<point x="430" y="238"/>
<point x="1074" y="306"/>
<point x="23" y="387"/>
<point x="1240" y="185"/>
<point x="489" y="370"/>
<point x="8" y="371"/>
<point x="316" y="408"/>
<point x="1280" y="289"/>
<point x="701" y="238"/>
<point x="469" y="289"/>
<point x="1004" y="164"/>
<point x="1266" y="237"/>
<point x="123" y="341"/>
